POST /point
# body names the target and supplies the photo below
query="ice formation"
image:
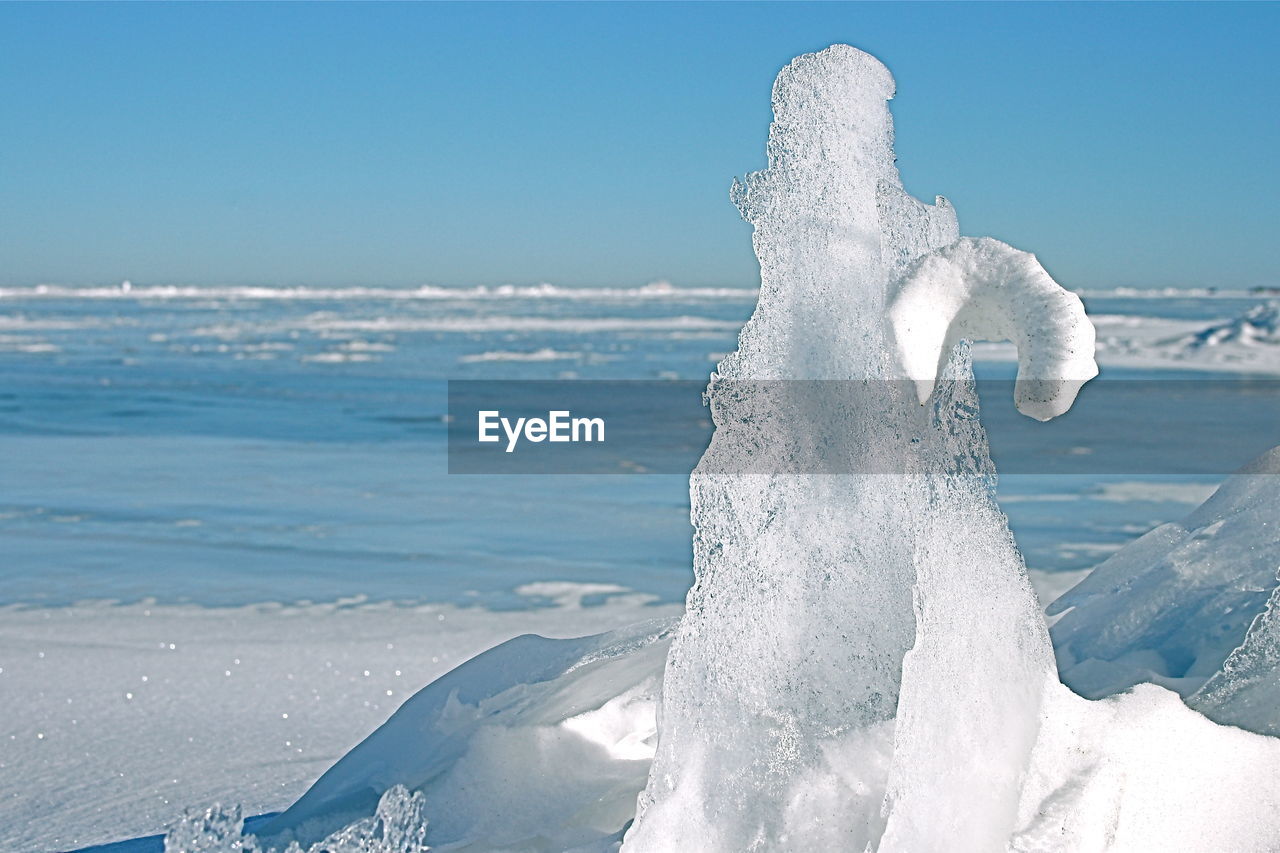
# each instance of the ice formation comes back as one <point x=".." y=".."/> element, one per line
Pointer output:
<point x="1259" y="325"/>
<point x="833" y="611"/>
<point x="984" y="290"/>
<point x="398" y="825"/>
<point x="862" y="663"/>
<point x="1191" y="605"/>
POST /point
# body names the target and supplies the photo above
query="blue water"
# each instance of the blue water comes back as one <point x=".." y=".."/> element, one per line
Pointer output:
<point x="221" y="447"/>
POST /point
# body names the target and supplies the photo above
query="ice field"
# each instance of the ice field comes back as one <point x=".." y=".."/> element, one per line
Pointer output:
<point x="296" y="456"/>
<point x="230" y="552"/>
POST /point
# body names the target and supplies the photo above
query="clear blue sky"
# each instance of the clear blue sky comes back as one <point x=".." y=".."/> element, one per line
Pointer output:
<point x="401" y="144"/>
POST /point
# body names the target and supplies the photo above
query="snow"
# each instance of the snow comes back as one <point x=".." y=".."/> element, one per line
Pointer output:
<point x="119" y="716"/>
<point x="1260" y="325"/>
<point x="560" y="732"/>
<point x="983" y="290"/>
<point x="1248" y="343"/>
<point x="1142" y="772"/>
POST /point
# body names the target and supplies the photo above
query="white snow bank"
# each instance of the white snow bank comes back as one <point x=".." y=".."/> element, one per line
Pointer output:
<point x="536" y="745"/>
<point x="1243" y="344"/>
<point x="985" y="290"/>
<point x="1189" y="605"/>
<point x="117" y="717"/>
<point x="1141" y="772"/>
<point x="1249" y="343"/>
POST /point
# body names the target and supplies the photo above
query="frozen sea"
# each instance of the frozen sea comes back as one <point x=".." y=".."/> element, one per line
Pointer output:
<point x="229" y="544"/>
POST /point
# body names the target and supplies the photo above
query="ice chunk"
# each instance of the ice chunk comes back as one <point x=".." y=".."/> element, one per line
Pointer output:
<point x="398" y="825"/>
<point x="1245" y="692"/>
<point x="985" y="290"/>
<point x="215" y="829"/>
<point x="1188" y="605"/>
<point x="856" y="633"/>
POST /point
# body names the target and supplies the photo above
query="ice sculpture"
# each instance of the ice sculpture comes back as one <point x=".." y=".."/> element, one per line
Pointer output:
<point x="881" y="601"/>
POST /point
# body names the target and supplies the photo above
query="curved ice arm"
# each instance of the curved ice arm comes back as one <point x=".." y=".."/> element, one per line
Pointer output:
<point x="985" y="290"/>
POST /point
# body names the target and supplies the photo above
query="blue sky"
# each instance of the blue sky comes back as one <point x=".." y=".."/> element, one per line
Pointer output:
<point x="1125" y="144"/>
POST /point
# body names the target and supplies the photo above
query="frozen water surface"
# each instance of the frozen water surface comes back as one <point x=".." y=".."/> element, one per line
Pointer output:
<point x="216" y="448"/>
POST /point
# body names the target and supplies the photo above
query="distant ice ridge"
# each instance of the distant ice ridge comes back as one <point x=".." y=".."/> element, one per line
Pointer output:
<point x="1260" y="325"/>
<point x="1249" y="343"/>
<point x="653" y="291"/>
<point x="1192" y="605"/>
<point x="1177" y="292"/>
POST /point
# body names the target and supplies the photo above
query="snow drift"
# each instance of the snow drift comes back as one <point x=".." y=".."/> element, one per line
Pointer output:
<point x="536" y="744"/>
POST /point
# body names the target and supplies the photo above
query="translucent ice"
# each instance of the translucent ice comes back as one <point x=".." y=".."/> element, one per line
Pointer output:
<point x="1192" y="605"/>
<point x="210" y="830"/>
<point x="854" y="633"/>
<point x="398" y="825"/>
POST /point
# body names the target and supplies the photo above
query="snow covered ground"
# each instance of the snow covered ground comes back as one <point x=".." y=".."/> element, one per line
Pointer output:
<point x="117" y="717"/>
<point x="111" y="733"/>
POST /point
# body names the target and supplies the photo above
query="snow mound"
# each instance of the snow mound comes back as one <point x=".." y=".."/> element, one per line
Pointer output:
<point x="1191" y="605"/>
<point x="1143" y="772"/>
<point x="985" y="290"/>
<point x="1249" y="343"/>
<point x="503" y="774"/>
<point x="536" y="745"/>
